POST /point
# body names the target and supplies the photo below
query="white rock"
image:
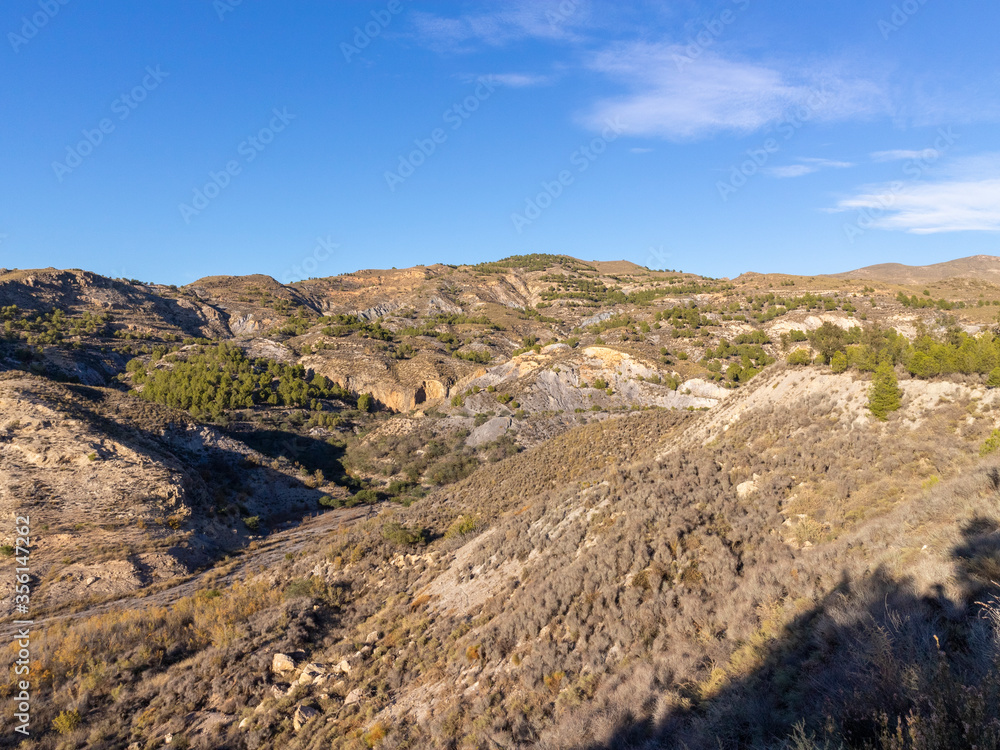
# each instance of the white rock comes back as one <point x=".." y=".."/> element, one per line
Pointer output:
<point x="311" y="673"/>
<point x="282" y="663"/>
<point x="343" y="668"/>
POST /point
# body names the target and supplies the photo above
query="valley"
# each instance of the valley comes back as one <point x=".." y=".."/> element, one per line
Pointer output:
<point x="539" y="502"/>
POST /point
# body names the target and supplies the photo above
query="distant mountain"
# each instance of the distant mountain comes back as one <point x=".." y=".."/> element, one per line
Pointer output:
<point x="897" y="273"/>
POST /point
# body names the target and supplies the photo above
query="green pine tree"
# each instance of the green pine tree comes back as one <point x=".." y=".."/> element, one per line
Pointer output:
<point x="994" y="379"/>
<point x="838" y="362"/>
<point x="884" y="396"/>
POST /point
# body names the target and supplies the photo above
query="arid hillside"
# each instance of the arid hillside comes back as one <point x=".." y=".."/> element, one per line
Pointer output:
<point x="537" y="503"/>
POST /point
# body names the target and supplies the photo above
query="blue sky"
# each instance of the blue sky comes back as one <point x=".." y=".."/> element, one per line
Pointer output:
<point x="168" y="141"/>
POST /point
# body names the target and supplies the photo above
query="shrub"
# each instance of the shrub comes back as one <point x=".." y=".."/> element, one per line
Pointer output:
<point x="838" y="363"/>
<point x="402" y="535"/>
<point x="67" y="721"/>
<point x="252" y="523"/>
<point x="884" y="395"/>
<point x="993" y="381"/>
<point x="364" y="497"/>
<point x="366" y="402"/>
<point x="6" y="550"/>
<point x="461" y="526"/>
<point x="991" y="444"/>
<point x="800" y="357"/>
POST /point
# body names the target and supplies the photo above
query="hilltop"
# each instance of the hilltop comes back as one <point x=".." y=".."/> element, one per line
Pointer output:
<point x="976" y="266"/>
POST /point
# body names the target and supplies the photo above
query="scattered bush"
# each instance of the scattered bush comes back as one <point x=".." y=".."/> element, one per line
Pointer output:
<point x="800" y="357"/>
<point x="67" y="721"/>
<point x="884" y="395"/>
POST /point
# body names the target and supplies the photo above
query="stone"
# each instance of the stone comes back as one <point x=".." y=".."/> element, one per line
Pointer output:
<point x="353" y="697"/>
<point x="303" y="714"/>
<point x="492" y="430"/>
<point x="282" y="663"/>
<point x="372" y="637"/>
<point x="280" y="690"/>
<point x="311" y="673"/>
<point x="344" y="667"/>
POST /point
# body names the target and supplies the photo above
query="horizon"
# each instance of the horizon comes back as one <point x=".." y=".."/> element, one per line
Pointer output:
<point x="979" y="256"/>
<point x="717" y="136"/>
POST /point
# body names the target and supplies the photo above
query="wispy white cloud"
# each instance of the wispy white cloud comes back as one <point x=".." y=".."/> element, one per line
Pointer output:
<point x="673" y="98"/>
<point x="520" y="80"/>
<point x="903" y="155"/>
<point x="807" y="166"/>
<point x="964" y="198"/>
<point x="552" y="20"/>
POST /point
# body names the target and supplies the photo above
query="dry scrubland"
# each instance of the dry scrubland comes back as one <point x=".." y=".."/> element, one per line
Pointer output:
<point x="605" y="509"/>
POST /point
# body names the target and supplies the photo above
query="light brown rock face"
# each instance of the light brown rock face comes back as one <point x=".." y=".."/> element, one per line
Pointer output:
<point x="399" y="386"/>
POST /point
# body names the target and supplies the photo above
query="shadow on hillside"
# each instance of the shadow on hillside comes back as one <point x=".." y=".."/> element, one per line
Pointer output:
<point x="312" y="453"/>
<point x="847" y="670"/>
<point x="225" y="483"/>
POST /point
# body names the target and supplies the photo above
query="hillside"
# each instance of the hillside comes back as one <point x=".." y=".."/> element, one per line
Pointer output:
<point x="536" y="503"/>
<point x="976" y="266"/>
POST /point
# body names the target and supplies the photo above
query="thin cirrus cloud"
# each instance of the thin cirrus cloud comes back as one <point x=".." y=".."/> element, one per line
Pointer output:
<point x="520" y="80"/>
<point x="677" y="99"/>
<point x="903" y="155"/>
<point x="807" y="166"/>
<point x="965" y="198"/>
<point x="515" y="22"/>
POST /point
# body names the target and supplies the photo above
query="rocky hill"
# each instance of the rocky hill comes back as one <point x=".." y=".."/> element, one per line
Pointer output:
<point x="538" y="503"/>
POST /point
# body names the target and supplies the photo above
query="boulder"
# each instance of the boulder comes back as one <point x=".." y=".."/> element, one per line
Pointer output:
<point x="343" y="668"/>
<point x="372" y="637"/>
<point x="282" y="663"/>
<point x="303" y="714"/>
<point x="311" y="673"/>
<point x="492" y="430"/>
<point x="353" y="697"/>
